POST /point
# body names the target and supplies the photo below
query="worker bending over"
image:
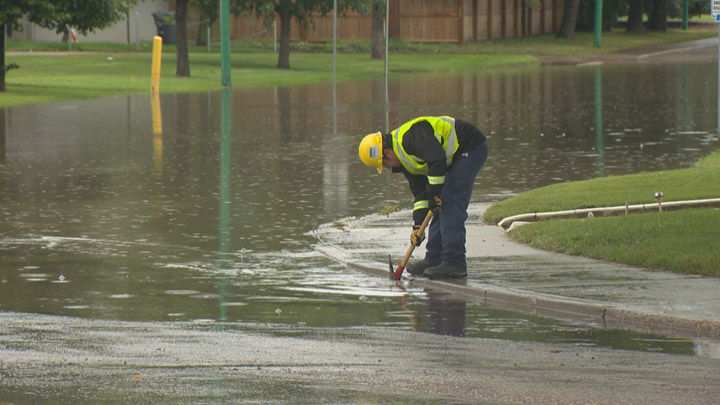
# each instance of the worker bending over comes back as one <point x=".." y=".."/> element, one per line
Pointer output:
<point x="440" y="157"/>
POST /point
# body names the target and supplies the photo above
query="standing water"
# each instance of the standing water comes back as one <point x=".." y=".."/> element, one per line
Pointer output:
<point x="208" y="218"/>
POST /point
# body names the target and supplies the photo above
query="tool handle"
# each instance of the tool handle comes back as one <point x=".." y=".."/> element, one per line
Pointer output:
<point x="401" y="267"/>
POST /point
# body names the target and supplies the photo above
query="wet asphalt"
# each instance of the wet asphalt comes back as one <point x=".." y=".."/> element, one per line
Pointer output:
<point x="47" y="359"/>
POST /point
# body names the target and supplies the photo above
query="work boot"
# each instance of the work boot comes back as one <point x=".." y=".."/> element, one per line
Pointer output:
<point x="444" y="271"/>
<point x="417" y="267"/>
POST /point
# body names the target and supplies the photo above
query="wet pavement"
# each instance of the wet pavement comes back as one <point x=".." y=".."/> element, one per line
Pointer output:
<point x="506" y="274"/>
<point x="51" y="359"/>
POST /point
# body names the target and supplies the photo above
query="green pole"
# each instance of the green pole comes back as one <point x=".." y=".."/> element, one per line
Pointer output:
<point x="225" y="42"/>
<point x="684" y="15"/>
<point x="598" y="22"/>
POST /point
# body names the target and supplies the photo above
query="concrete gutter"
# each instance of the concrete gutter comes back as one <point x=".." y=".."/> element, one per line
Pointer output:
<point x="595" y="313"/>
<point x="507" y="275"/>
<point x="506" y="223"/>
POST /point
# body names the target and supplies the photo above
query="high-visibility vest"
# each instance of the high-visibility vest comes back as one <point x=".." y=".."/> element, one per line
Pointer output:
<point x="444" y="128"/>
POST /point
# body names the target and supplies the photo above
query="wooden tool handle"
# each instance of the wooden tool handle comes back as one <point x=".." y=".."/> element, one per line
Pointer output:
<point x="401" y="267"/>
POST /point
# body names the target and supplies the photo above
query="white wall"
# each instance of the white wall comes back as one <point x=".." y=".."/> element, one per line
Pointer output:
<point x="141" y="21"/>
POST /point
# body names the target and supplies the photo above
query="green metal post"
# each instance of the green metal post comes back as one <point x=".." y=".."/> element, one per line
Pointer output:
<point x="598" y="22"/>
<point x="225" y="42"/>
<point x="684" y="15"/>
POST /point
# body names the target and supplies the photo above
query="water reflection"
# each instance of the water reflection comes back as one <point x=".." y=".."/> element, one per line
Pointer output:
<point x="599" y="143"/>
<point x="208" y="218"/>
<point x="225" y="194"/>
<point x="446" y="315"/>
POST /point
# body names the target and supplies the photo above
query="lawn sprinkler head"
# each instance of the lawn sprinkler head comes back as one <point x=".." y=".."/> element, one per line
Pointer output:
<point x="658" y="198"/>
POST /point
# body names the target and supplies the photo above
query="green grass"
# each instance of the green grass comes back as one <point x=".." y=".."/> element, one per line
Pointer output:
<point x="84" y="75"/>
<point x="682" y="241"/>
<point x="711" y="160"/>
<point x="676" y="185"/>
<point x="103" y="69"/>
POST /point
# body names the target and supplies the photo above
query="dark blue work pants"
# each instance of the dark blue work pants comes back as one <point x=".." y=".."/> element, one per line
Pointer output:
<point x="446" y="238"/>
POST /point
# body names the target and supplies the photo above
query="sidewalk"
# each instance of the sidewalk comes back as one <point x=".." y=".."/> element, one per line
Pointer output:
<point x="509" y="275"/>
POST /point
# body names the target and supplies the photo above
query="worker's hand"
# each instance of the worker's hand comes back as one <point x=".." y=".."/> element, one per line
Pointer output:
<point x="434" y="203"/>
<point x="417" y="237"/>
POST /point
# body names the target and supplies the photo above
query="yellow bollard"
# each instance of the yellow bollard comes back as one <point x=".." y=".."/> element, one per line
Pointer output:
<point x="155" y="104"/>
<point x="156" y="58"/>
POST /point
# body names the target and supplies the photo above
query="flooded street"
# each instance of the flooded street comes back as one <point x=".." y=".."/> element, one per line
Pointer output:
<point x="199" y="221"/>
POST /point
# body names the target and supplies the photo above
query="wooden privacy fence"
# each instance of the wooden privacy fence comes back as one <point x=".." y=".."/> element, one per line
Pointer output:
<point x="423" y="21"/>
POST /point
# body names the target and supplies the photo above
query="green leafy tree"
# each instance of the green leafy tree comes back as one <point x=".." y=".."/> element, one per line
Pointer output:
<point x="59" y="15"/>
<point x="208" y="12"/>
<point x="11" y="11"/>
<point x="611" y="9"/>
<point x="286" y="10"/>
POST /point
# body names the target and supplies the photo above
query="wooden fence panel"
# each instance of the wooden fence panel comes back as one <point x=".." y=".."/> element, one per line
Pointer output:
<point x="429" y="20"/>
<point x="419" y="21"/>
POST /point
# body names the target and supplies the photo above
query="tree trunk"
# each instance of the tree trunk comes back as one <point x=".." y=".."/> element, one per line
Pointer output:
<point x="635" y="16"/>
<point x="569" y="19"/>
<point x="284" y="51"/>
<point x="201" y="38"/>
<point x="657" y="20"/>
<point x="183" y="61"/>
<point x="378" y="33"/>
<point x="2" y="57"/>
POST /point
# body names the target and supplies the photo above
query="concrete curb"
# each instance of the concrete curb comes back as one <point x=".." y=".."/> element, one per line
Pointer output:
<point x="609" y="211"/>
<point x="594" y="313"/>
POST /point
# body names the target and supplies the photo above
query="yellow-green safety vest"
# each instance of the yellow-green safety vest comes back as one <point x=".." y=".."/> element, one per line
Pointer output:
<point x="444" y="128"/>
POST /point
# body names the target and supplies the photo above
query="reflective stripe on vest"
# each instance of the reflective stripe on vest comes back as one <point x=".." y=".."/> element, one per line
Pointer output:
<point x="444" y="129"/>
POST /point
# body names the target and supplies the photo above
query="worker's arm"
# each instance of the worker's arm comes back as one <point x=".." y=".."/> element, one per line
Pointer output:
<point x="418" y="187"/>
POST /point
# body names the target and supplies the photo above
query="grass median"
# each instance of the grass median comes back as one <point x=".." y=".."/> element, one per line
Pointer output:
<point x="682" y="241"/>
<point x="48" y="72"/>
<point x="49" y="75"/>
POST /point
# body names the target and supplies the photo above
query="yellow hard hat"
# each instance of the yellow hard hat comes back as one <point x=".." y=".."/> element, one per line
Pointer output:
<point x="371" y="151"/>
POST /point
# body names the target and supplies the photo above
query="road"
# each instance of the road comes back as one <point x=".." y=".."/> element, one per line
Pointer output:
<point x="46" y="359"/>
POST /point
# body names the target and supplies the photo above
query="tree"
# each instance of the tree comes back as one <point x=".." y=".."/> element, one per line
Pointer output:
<point x="378" y="37"/>
<point x="285" y="11"/>
<point x="569" y="20"/>
<point x="182" y="67"/>
<point x="209" y="12"/>
<point x="58" y="15"/>
<point x="635" y="16"/>
<point x="657" y="19"/>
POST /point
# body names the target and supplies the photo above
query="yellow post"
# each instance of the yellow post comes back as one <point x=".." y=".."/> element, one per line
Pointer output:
<point x="156" y="58"/>
<point x="155" y="104"/>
